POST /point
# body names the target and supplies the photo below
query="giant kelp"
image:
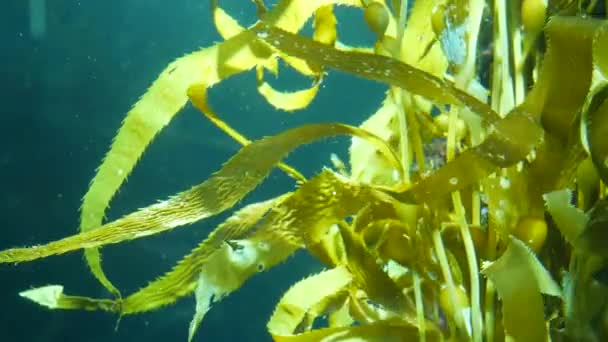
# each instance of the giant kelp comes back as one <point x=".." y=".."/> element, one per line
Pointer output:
<point x="471" y="209"/>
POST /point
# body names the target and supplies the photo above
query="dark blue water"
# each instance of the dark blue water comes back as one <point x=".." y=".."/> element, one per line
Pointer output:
<point x="63" y="96"/>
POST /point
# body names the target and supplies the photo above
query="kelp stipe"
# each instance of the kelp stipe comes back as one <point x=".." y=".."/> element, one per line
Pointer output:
<point x="443" y="227"/>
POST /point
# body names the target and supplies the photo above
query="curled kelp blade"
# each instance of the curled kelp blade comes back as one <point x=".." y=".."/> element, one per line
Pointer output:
<point x="228" y="27"/>
<point x="241" y="174"/>
<point x="520" y="278"/>
<point x="167" y="95"/>
<point x="324" y="31"/>
<point x="303" y="296"/>
<point x="286" y="100"/>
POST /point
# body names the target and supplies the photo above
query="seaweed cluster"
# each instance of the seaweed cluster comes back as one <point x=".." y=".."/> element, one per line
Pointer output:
<point x="473" y="207"/>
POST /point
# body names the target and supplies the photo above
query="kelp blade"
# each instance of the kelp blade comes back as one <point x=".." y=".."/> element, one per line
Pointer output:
<point x="241" y="174"/>
<point x="519" y="279"/>
<point x="167" y="95"/>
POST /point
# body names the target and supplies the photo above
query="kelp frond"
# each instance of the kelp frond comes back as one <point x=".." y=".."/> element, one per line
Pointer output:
<point x="474" y="206"/>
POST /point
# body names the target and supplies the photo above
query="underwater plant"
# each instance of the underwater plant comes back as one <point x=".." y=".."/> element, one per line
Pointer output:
<point x="473" y="206"/>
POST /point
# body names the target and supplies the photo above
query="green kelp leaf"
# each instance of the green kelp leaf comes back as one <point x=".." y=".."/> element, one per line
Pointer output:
<point x="583" y="297"/>
<point x="167" y="95"/>
<point x="520" y="279"/>
<point x="594" y="238"/>
<point x="370" y="277"/>
<point x="587" y="233"/>
<point x="594" y="124"/>
<point x="570" y="220"/>
<point x="565" y="77"/>
<point x="241" y="174"/>
<point x="600" y="53"/>
<point x="301" y="297"/>
<point x="375" y="67"/>
<point x="511" y="140"/>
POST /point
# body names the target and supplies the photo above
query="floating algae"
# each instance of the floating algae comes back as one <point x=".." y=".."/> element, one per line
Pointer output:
<point x="415" y="248"/>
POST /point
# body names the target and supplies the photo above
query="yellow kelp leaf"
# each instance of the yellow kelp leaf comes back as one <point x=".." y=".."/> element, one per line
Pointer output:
<point x="520" y="279"/>
<point x="181" y="280"/>
<point x="380" y="331"/>
<point x="166" y="96"/>
<point x="418" y="35"/>
<point x="225" y="24"/>
<point x="324" y="25"/>
<point x="330" y="248"/>
<point x="241" y="174"/>
<point x="286" y="100"/>
<point x="178" y="282"/>
<point x="287" y="13"/>
<point x="318" y="204"/>
<point x="152" y="113"/>
<point x="367" y="165"/>
<point x="232" y="264"/>
<point x="302" y="296"/>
